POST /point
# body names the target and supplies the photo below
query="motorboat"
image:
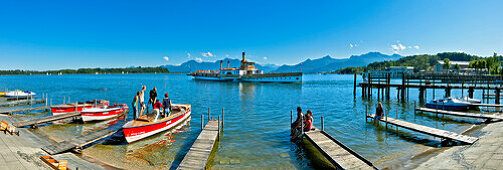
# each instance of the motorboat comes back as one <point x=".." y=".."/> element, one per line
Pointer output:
<point x="19" y="94"/>
<point x="77" y="107"/>
<point x="102" y="113"/>
<point x="470" y="100"/>
<point x="148" y="125"/>
<point x="448" y="104"/>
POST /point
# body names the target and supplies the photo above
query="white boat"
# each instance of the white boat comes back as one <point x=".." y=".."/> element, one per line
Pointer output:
<point x="246" y="73"/>
<point x="470" y="100"/>
<point x="448" y="104"/>
<point x="19" y="94"/>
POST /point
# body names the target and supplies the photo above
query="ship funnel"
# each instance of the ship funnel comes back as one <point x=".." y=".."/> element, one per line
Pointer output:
<point x="221" y="62"/>
<point x="244" y="57"/>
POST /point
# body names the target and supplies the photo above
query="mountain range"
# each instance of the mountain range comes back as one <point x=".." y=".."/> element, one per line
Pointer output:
<point x="323" y="64"/>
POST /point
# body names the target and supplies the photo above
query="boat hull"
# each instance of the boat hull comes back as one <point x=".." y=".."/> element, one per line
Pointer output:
<point x="103" y="115"/>
<point x="262" y="78"/>
<point x="133" y="134"/>
<point x="66" y="108"/>
<point x="447" y="107"/>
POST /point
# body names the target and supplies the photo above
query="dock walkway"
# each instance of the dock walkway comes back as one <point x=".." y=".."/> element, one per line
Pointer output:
<point x="199" y="153"/>
<point x="460" y="114"/>
<point x="11" y="111"/>
<point x="22" y="102"/>
<point x="35" y="122"/>
<point x="337" y="153"/>
<point x="486" y="105"/>
<point x="428" y="130"/>
<point x="79" y="141"/>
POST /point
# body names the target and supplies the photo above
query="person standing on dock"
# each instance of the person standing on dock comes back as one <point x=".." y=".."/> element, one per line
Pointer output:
<point x="135" y="105"/>
<point x="153" y="97"/>
<point x="166" y="103"/>
<point x="379" y="113"/>
<point x="142" y="100"/>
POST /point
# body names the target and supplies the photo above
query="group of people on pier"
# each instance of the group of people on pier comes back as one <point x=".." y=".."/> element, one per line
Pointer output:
<point x="303" y="121"/>
<point x="159" y="109"/>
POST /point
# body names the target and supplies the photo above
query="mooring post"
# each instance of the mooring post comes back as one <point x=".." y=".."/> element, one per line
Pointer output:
<point x="222" y="119"/>
<point x="63" y="99"/>
<point x="218" y="126"/>
<point x="202" y="122"/>
<point x="387" y="114"/>
<point x="322" y="125"/>
<point x="366" y="113"/>
<point x="498" y="93"/>
<point x="354" y="86"/>
<point x="209" y="114"/>
<point x="302" y="127"/>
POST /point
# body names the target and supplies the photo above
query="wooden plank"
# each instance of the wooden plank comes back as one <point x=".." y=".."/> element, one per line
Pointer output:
<point x="337" y="153"/>
<point x="11" y="111"/>
<point x="428" y="130"/>
<point x="486" y="105"/>
<point x="461" y="114"/>
<point x="79" y="141"/>
<point x="201" y="149"/>
<point x="45" y="119"/>
<point x="22" y="102"/>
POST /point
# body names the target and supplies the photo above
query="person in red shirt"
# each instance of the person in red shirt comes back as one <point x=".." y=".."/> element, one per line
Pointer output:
<point x="157" y="108"/>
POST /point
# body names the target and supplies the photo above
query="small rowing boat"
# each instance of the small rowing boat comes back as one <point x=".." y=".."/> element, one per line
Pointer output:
<point x="448" y="104"/>
<point x="146" y="126"/>
<point x="77" y="107"/>
<point x="102" y="113"/>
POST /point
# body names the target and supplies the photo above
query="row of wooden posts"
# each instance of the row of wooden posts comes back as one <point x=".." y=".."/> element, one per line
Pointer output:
<point x="220" y="120"/>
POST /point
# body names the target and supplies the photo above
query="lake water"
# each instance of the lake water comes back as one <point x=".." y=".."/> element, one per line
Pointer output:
<point x="257" y="118"/>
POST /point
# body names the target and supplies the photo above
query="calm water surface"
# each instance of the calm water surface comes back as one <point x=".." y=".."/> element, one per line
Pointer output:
<point x="257" y="118"/>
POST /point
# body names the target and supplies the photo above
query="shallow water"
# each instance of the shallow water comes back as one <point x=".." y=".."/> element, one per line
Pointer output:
<point x="257" y="116"/>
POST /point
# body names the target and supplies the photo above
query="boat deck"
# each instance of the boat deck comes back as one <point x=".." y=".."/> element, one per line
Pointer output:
<point x="199" y="153"/>
<point x="337" y="153"/>
<point x="428" y="130"/>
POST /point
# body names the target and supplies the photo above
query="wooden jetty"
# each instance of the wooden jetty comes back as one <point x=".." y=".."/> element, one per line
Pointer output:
<point x="77" y="143"/>
<point x="11" y="111"/>
<point x="461" y="114"/>
<point x="446" y="135"/>
<point x="34" y="122"/>
<point x="199" y="153"/>
<point x="337" y="153"/>
<point x="22" y="102"/>
<point x="486" y="105"/>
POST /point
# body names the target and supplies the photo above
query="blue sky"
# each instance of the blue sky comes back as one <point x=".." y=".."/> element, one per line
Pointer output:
<point x="41" y="35"/>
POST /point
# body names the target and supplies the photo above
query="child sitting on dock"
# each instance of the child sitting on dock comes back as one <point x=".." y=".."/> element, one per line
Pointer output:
<point x="308" y="124"/>
<point x="379" y="113"/>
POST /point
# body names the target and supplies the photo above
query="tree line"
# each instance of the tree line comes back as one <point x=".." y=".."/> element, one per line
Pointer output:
<point x="89" y="71"/>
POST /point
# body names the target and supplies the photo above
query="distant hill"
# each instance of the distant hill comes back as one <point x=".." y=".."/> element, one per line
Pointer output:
<point x="192" y="66"/>
<point x="327" y="63"/>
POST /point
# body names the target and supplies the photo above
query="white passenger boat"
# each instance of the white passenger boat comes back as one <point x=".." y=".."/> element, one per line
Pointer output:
<point x="246" y="73"/>
<point x="19" y="94"/>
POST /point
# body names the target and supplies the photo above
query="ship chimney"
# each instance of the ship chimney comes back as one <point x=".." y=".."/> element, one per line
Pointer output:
<point x="228" y="63"/>
<point x="244" y="58"/>
<point x="221" y="62"/>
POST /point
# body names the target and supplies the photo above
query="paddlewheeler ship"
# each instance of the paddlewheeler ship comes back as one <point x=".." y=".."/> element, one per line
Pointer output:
<point x="148" y="125"/>
<point x="247" y="72"/>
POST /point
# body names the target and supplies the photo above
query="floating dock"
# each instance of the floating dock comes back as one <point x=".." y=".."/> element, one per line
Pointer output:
<point x="337" y="153"/>
<point x="199" y="153"/>
<point x="460" y="114"/>
<point x="78" y="142"/>
<point x="428" y="130"/>
<point x="11" y="111"/>
<point x="42" y="120"/>
<point x="22" y="102"/>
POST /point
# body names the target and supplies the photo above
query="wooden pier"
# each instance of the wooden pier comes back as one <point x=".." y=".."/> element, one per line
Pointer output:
<point x="446" y="135"/>
<point x="22" y="102"/>
<point x="486" y="105"/>
<point x="77" y="143"/>
<point x="11" y="111"/>
<point x="337" y="153"/>
<point x="461" y="114"/>
<point x="34" y="122"/>
<point x="199" y="153"/>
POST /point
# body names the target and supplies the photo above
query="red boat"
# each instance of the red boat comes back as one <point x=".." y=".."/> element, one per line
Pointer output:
<point x="77" y="107"/>
<point x="103" y="113"/>
<point x="146" y="126"/>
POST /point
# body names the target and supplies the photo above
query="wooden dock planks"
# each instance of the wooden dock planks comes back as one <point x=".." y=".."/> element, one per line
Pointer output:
<point x="428" y="130"/>
<point x="22" y="102"/>
<point x="79" y="141"/>
<point x="337" y="153"/>
<point x="199" y="153"/>
<point x="486" y="105"/>
<point x="11" y="111"/>
<point x="460" y="114"/>
<point x="47" y="119"/>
